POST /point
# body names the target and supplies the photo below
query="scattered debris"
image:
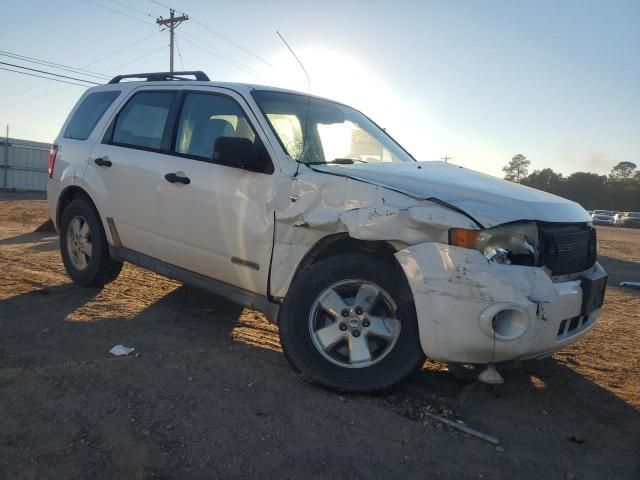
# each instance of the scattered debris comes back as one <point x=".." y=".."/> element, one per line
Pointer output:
<point x="500" y="449"/>
<point x="463" y="428"/>
<point x="44" y="331"/>
<point x="120" y="350"/>
<point x="443" y="416"/>
<point x="635" y="285"/>
<point x="342" y="399"/>
<point x="491" y="376"/>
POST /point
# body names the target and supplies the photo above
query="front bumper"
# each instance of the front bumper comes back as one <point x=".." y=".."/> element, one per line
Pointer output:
<point x="471" y="310"/>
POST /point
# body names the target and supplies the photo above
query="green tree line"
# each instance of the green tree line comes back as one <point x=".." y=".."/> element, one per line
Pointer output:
<point x="620" y="190"/>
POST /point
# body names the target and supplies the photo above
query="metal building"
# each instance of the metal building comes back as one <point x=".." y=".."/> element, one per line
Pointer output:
<point x="23" y="164"/>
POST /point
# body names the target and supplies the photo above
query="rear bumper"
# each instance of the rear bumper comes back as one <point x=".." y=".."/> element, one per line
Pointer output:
<point x="458" y="294"/>
<point x="53" y="194"/>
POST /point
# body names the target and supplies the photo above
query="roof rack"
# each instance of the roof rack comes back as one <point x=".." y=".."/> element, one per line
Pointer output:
<point x="163" y="76"/>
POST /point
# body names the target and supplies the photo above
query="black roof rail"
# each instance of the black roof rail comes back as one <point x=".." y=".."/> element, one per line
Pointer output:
<point x="163" y="76"/>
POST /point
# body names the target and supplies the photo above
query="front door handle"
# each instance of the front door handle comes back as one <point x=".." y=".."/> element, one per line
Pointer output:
<point x="101" y="162"/>
<point x="173" y="178"/>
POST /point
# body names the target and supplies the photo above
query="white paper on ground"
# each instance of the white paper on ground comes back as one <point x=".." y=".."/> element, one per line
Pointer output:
<point x="121" y="350"/>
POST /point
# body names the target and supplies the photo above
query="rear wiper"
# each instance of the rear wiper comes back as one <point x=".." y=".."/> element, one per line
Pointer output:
<point x="339" y="161"/>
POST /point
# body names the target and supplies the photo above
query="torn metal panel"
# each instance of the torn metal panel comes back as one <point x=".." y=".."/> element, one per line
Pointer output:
<point x="326" y="205"/>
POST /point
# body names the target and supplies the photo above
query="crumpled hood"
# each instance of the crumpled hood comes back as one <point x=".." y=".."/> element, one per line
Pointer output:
<point x="487" y="199"/>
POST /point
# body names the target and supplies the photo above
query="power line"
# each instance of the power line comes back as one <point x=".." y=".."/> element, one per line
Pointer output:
<point x="58" y="66"/>
<point x="163" y="5"/>
<point x="136" y="59"/>
<point x="86" y="65"/>
<point x="117" y="11"/>
<point x="123" y="49"/>
<point x="48" y="73"/>
<point x="219" y="35"/>
<point x="71" y="83"/>
<point x="52" y="92"/>
<point x="228" y="40"/>
<point x="230" y="60"/>
<point x="42" y="76"/>
<point x="146" y="14"/>
<point x="179" y="53"/>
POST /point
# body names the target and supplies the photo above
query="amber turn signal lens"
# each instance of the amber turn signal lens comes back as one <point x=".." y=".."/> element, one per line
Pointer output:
<point x="461" y="237"/>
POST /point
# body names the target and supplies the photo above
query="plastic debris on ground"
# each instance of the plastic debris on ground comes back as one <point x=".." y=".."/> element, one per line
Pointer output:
<point x="120" y="350"/>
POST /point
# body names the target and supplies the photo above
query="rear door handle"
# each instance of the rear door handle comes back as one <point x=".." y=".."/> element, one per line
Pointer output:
<point x="173" y="178"/>
<point x="101" y="162"/>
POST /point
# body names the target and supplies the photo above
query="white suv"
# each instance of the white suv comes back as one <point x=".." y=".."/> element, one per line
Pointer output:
<point x="305" y="209"/>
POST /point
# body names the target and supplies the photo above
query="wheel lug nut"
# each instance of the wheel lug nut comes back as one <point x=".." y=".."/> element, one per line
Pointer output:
<point x="356" y="333"/>
<point x="366" y="323"/>
<point x="343" y="327"/>
<point x="345" y="313"/>
<point x="358" y="310"/>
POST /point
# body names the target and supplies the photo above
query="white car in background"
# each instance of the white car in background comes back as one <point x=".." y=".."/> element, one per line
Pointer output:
<point x="617" y="218"/>
<point x="305" y="209"/>
<point x="603" y="217"/>
<point x="628" y="219"/>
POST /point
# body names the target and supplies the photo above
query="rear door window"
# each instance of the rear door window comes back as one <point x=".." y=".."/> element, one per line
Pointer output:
<point x="142" y="122"/>
<point x="88" y="113"/>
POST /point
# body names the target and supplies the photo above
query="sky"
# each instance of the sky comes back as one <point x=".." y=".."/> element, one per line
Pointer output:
<point x="477" y="81"/>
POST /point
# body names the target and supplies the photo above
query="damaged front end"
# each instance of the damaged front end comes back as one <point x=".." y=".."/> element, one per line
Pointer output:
<point x="475" y="310"/>
<point x="516" y="290"/>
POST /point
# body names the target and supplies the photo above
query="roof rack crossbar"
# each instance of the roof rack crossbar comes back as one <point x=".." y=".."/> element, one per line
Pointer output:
<point x="163" y="76"/>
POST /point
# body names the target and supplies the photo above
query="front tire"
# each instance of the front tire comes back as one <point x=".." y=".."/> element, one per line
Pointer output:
<point x="349" y="323"/>
<point x="84" y="247"/>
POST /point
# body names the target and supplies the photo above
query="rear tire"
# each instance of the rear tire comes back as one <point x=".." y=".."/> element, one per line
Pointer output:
<point x="84" y="247"/>
<point x="360" y="337"/>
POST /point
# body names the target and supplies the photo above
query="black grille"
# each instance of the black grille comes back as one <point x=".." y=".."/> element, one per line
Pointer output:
<point x="567" y="249"/>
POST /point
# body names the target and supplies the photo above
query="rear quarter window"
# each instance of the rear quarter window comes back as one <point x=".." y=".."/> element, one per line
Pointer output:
<point x="88" y="113"/>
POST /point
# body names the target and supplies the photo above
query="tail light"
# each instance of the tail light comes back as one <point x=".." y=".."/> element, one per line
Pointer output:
<point x="52" y="159"/>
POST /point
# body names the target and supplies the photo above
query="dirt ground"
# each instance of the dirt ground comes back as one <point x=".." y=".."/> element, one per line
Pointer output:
<point x="208" y="393"/>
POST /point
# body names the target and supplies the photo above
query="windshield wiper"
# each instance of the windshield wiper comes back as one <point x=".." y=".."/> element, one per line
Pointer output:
<point x="339" y="161"/>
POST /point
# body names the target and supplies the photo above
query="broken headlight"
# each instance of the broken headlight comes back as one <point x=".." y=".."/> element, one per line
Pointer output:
<point x="514" y="243"/>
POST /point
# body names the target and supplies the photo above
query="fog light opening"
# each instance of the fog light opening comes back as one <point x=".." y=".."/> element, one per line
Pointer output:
<point x="509" y="323"/>
<point x="504" y="321"/>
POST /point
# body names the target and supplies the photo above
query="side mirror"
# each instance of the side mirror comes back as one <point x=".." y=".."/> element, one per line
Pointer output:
<point x="236" y="152"/>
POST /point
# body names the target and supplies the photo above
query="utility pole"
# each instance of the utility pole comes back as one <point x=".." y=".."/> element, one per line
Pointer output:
<point x="172" y="22"/>
<point x="446" y="158"/>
